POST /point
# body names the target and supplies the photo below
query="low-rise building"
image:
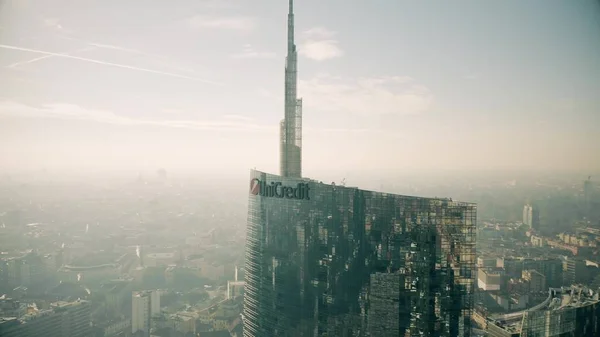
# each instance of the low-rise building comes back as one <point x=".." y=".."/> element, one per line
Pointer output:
<point x="489" y="280"/>
<point x="573" y="311"/>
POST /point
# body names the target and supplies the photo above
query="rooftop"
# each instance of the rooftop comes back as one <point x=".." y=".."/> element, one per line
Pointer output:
<point x="558" y="299"/>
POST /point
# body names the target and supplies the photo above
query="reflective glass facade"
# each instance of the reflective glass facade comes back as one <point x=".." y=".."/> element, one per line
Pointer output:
<point x="325" y="260"/>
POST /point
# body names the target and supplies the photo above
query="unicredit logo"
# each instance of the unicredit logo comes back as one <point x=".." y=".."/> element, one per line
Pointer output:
<point x="277" y="190"/>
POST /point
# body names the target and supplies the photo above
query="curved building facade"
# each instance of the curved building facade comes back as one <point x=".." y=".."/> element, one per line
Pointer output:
<point x="326" y="260"/>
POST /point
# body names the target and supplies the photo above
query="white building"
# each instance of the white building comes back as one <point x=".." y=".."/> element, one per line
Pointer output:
<point x="488" y="280"/>
<point x="144" y="305"/>
<point x="154" y="303"/>
<point x="531" y="217"/>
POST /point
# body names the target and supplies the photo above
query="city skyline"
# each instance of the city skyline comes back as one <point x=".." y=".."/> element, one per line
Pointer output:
<point x="127" y="130"/>
<point x="478" y="86"/>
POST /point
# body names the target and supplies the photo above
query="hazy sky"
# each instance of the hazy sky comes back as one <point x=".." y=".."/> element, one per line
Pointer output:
<point x="393" y="84"/>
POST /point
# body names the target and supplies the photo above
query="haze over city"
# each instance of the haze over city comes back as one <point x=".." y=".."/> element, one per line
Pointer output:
<point x="394" y="85"/>
<point x="221" y="168"/>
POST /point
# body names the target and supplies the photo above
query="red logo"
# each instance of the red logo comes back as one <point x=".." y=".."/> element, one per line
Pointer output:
<point x="254" y="186"/>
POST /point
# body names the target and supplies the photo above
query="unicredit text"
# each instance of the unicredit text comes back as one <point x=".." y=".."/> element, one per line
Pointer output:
<point x="277" y="190"/>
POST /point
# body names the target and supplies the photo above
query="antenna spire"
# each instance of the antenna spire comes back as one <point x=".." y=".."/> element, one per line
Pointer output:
<point x="291" y="125"/>
<point x="291" y="45"/>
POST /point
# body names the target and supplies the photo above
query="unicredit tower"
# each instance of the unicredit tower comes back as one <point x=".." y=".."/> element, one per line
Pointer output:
<point x="326" y="260"/>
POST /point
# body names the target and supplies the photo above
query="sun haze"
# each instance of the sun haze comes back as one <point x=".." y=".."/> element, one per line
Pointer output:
<point x="400" y="85"/>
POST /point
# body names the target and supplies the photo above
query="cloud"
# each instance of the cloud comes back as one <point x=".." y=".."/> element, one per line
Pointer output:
<point x="248" y="52"/>
<point x="238" y="23"/>
<point x="118" y="65"/>
<point x="319" y="44"/>
<point x="75" y="112"/>
<point x="228" y="123"/>
<point x="386" y="95"/>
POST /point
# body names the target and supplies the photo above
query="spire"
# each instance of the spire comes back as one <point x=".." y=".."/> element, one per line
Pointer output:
<point x="291" y="45"/>
<point x="291" y="125"/>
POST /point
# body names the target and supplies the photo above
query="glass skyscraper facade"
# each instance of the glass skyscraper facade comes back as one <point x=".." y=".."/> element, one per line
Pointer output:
<point x="326" y="260"/>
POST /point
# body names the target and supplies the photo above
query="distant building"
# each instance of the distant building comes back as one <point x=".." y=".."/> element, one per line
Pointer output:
<point x="12" y="308"/>
<point x="489" y="280"/>
<point x="526" y="214"/>
<point x="116" y="328"/>
<point x="144" y="305"/>
<point x="235" y="288"/>
<point x="573" y="311"/>
<point x="26" y="270"/>
<point x="531" y="217"/>
<point x="487" y="262"/>
<point x="537" y="241"/>
<point x="537" y="281"/>
<point x="116" y="293"/>
<point x="560" y="245"/>
<point x="575" y="271"/>
<point x="63" y="319"/>
<point x="183" y="322"/>
<point x="551" y="268"/>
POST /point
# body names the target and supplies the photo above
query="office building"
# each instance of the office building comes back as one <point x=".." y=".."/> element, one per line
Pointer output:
<point x="144" y="305"/>
<point x="63" y="319"/>
<point x="566" y="312"/>
<point x="27" y="270"/>
<point x="531" y="217"/>
<point x="489" y="280"/>
<point x="326" y="260"/>
<point x="537" y="281"/>
<point x="12" y="308"/>
<point x="551" y="268"/>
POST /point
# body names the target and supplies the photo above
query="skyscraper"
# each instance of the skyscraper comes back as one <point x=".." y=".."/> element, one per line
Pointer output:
<point x="531" y="216"/>
<point x="144" y="305"/>
<point x="326" y="260"/>
<point x="290" y="145"/>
